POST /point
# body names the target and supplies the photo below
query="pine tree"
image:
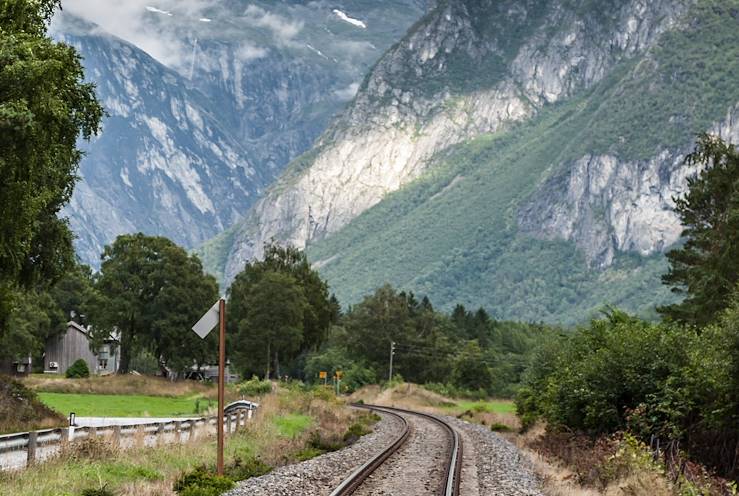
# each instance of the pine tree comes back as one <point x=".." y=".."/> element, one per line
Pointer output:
<point x="706" y="268"/>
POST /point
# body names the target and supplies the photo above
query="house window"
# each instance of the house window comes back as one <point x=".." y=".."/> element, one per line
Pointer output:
<point x="103" y="364"/>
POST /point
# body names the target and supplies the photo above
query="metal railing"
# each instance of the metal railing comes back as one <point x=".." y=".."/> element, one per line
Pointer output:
<point x="51" y="440"/>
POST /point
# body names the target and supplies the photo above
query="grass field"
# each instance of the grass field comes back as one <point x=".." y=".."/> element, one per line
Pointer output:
<point x="104" y="405"/>
<point x="292" y="424"/>
<point x="489" y="406"/>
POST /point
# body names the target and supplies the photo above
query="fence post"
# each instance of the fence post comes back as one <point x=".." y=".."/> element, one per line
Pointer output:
<point x="117" y="436"/>
<point x="92" y="432"/>
<point x="177" y="431"/>
<point x="140" y="436"/>
<point x="64" y="434"/>
<point x="160" y="434"/>
<point x="228" y="424"/>
<point x="32" y="442"/>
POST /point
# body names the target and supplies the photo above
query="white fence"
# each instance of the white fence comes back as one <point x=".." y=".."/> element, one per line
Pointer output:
<point x="26" y="448"/>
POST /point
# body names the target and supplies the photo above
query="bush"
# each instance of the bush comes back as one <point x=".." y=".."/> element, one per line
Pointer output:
<point x="355" y="431"/>
<point x="659" y="382"/>
<point x="201" y="482"/>
<point x="255" y="387"/>
<point x="246" y="469"/>
<point x="102" y="491"/>
<point x="498" y="427"/>
<point x="78" y="370"/>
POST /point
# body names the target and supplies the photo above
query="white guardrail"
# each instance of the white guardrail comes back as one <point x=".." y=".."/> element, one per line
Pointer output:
<point x="26" y="448"/>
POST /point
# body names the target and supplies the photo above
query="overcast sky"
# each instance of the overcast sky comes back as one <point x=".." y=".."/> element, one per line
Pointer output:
<point x="127" y="19"/>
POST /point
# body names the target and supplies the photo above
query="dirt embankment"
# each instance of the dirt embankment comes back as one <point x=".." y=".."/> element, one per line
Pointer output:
<point x="21" y="410"/>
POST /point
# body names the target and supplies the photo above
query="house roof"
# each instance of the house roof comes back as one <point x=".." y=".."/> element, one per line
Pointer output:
<point x="74" y="325"/>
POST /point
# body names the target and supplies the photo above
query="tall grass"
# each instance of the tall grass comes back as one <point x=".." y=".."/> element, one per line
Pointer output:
<point x="150" y="471"/>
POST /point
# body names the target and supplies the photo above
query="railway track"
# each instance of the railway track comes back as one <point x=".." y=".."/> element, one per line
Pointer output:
<point x="453" y="461"/>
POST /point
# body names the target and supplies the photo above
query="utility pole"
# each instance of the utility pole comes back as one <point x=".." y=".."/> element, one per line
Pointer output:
<point x="392" y="352"/>
<point x="221" y="381"/>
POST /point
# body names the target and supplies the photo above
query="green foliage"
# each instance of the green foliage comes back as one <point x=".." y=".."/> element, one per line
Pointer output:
<point x="255" y="387"/>
<point x="466" y="354"/>
<point x="498" y="427"/>
<point x="657" y="380"/>
<point x="78" y="370"/>
<point x="242" y="469"/>
<point x="279" y="307"/>
<point x="706" y="267"/>
<point x="100" y="491"/>
<point x="45" y="105"/>
<point x="201" y="482"/>
<point x="470" y="370"/>
<point x="152" y="291"/>
<point x="267" y="317"/>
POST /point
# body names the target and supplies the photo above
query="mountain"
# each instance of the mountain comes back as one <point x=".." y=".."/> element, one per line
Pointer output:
<point x="520" y="155"/>
<point x="207" y="102"/>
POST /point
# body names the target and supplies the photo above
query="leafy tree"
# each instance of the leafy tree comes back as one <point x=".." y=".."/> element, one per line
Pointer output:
<point x="321" y="311"/>
<point x="35" y="317"/>
<point x="152" y="292"/>
<point x="706" y="268"/>
<point x="423" y="351"/>
<point x="44" y="107"/>
<point x="75" y="294"/>
<point x="266" y="316"/>
<point x="471" y="371"/>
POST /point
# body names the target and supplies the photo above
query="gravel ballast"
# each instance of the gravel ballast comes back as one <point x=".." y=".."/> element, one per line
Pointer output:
<point x="320" y="475"/>
<point x="492" y="466"/>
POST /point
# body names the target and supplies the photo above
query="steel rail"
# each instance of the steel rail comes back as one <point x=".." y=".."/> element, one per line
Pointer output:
<point x="452" y="475"/>
<point x="351" y="483"/>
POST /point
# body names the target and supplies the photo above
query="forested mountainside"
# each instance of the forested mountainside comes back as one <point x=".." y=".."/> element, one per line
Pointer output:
<point x="520" y="155"/>
<point x="208" y="101"/>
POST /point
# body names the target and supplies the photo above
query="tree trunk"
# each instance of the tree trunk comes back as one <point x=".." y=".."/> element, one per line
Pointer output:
<point x="269" y="356"/>
<point x="277" y="366"/>
<point x="125" y="347"/>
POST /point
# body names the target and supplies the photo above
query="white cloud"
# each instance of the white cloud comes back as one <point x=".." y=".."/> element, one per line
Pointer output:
<point x="151" y="25"/>
<point x="283" y="29"/>
<point x="247" y="52"/>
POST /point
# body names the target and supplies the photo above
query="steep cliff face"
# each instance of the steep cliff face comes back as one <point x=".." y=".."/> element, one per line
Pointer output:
<point x="208" y="101"/>
<point x="467" y="69"/>
<point x="164" y="163"/>
<point x="521" y="156"/>
<point x="606" y="205"/>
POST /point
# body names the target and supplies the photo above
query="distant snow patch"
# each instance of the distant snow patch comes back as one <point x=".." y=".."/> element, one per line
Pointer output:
<point x="311" y="47"/>
<point x="158" y="11"/>
<point x="356" y="22"/>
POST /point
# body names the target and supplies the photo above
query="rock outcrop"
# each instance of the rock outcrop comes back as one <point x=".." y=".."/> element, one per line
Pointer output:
<point x="467" y="69"/>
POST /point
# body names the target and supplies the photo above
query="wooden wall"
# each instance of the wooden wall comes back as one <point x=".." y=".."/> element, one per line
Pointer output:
<point x="67" y="348"/>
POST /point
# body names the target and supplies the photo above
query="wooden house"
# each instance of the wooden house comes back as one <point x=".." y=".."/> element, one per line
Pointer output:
<point x="63" y="350"/>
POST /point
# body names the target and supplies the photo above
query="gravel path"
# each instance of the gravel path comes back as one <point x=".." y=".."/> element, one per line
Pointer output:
<point x="320" y="475"/>
<point x="417" y="468"/>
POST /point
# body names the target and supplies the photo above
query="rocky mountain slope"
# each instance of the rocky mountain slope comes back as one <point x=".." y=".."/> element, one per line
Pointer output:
<point x="519" y="155"/>
<point x="209" y="101"/>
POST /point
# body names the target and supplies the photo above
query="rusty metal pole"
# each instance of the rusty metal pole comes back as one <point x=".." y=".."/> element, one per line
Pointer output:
<point x="221" y="381"/>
